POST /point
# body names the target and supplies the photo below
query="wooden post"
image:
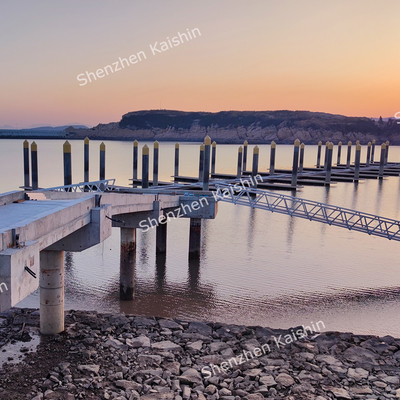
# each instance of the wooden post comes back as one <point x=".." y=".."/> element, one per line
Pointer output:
<point x="213" y="156"/>
<point x="102" y="161"/>
<point x="135" y="159"/>
<point x="127" y="264"/>
<point x="201" y="163"/>
<point x="319" y="154"/>
<point x="34" y="165"/>
<point x="26" y="165"/>
<point x="145" y="167"/>
<point x="382" y="160"/>
<point x="348" y="154"/>
<point x="329" y="164"/>
<point x="207" y="149"/>
<point x="368" y="154"/>
<point x="295" y="162"/>
<point x="86" y="160"/>
<point x="357" y="163"/>
<point x="176" y="164"/>
<point x="387" y="152"/>
<point x="244" y="165"/>
<point x="339" y="152"/>
<point x="272" y="159"/>
<point x="239" y="163"/>
<point x="67" y="163"/>
<point x="373" y="151"/>
<point x="155" y="163"/>
<point x="301" y="162"/>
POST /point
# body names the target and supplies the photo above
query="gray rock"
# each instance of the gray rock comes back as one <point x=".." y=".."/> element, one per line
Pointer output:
<point x="166" y="345"/>
<point x="200" y="327"/>
<point x="191" y="376"/>
<point x="140" y="341"/>
<point x="90" y="368"/>
<point x="285" y="379"/>
<point x="169" y="324"/>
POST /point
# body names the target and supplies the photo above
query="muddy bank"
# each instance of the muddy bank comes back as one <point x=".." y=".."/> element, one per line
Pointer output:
<point x="117" y="356"/>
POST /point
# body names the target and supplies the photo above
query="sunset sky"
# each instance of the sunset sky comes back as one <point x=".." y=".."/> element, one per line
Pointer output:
<point x="335" y="56"/>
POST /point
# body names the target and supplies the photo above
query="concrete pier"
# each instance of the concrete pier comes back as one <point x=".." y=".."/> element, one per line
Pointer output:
<point x="348" y="154"/>
<point x="373" y="151"/>
<point x="368" y="154"/>
<point x="135" y="159"/>
<point x="127" y="263"/>
<point x="319" y="154"/>
<point x="207" y="153"/>
<point x="329" y="163"/>
<point x="295" y="162"/>
<point x="382" y="160"/>
<point x="161" y="237"/>
<point x="155" y="163"/>
<point x="145" y="167"/>
<point x="301" y="162"/>
<point x="176" y="161"/>
<point x="194" y="238"/>
<point x="213" y="156"/>
<point x="51" y="292"/>
<point x="102" y="174"/>
<point x="339" y="153"/>
<point x="244" y="164"/>
<point x="201" y="163"/>
<point x="357" y="163"/>
<point x="239" y="163"/>
<point x="26" y="164"/>
<point x="272" y="159"/>
<point x="67" y="163"/>
<point x="86" y="159"/>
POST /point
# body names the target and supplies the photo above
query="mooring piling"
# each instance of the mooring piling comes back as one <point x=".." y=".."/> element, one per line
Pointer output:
<point x="244" y="165"/>
<point x="34" y="165"/>
<point x="239" y="163"/>
<point x="339" y="153"/>
<point x="326" y="155"/>
<point x="329" y="164"/>
<point x="102" y="161"/>
<point x="254" y="171"/>
<point x="272" y="159"/>
<point x="135" y="159"/>
<point x="348" y="154"/>
<point x="295" y="162"/>
<point x="373" y="151"/>
<point x="207" y="153"/>
<point x="67" y="163"/>
<point x="86" y="159"/>
<point x="145" y="167"/>
<point x="319" y="154"/>
<point x="201" y="163"/>
<point x="301" y="162"/>
<point x="176" y="163"/>
<point x="382" y="160"/>
<point x="357" y="163"/>
<point x="213" y="156"/>
<point x="155" y="163"/>
<point x="368" y="154"/>
<point x="387" y="152"/>
<point x="26" y="165"/>
<point x="127" y="263"/>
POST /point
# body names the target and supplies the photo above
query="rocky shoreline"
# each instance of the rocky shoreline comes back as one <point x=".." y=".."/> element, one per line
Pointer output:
<point x="127" y="357"/>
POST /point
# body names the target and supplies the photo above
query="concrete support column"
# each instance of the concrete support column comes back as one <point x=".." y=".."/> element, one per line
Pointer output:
<point x="244" y="165"/>
<point x="295" y="162"/>
<point x="239" y="163"/>
<point x="368" y="154"/>
<point x="127" y="263"/>
<point x="348" y="154"/>
<point x="34" y="164"/>
<point x="254" y="170"/>
<point x="272" y="159"/>
<point x="51" y="292"/>
<point x="135" y="159"/>
<point x="301" y="162"/>
<point x="26" y="164"/>
<point x="319" y="154"/>
<point x="194" y="238"/>
<point x="382" y="160"/>
<point x="357" y="163"/>
<point x="373" y="151"/>
<point x="176" y="163"/>
<point x="326" y="155"/>
<point x="339" y="153"/>
<point x="207" y="148"/>
<point x="201" y="163"/>
<point x="86" y="160"/>
<point x="329" y="164"/>
<point x="161" y="238"/>
<point x="145" y="167"/>
<point x="213" y="156"/>
<point x="155" y="163"/>
<point x="102" y="174"/>
<point x="67" y="163"/>
<point x="387" y="152"/>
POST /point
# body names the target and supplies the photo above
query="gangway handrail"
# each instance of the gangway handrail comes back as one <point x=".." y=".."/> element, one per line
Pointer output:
<point x="309" y="209"/>
<point x="95" y="186"/>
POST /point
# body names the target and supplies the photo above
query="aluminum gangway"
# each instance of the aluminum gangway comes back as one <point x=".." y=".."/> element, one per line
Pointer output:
<point x="308" y="209"/>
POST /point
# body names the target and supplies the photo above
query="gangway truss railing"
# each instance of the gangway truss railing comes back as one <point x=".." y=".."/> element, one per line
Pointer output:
<point x="308" y="209"/>
<point x="95" y="186"/>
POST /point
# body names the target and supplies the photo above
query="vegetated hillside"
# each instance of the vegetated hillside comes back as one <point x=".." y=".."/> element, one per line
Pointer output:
<point x="254" y="126"/>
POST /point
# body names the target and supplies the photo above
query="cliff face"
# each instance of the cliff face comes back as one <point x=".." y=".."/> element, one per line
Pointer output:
<point x="237" y="126"/>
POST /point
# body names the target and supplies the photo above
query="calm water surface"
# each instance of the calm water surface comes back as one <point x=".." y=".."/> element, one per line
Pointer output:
<point x="256" y="268"/>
